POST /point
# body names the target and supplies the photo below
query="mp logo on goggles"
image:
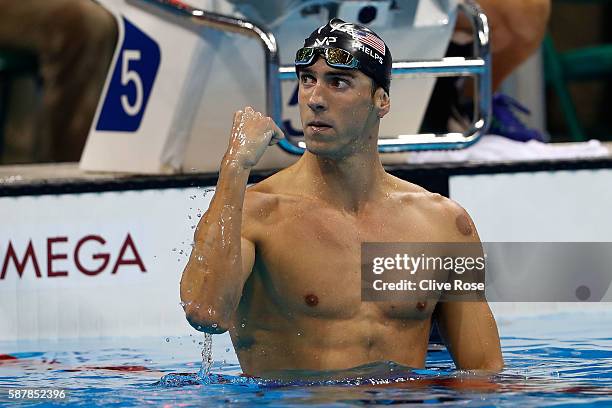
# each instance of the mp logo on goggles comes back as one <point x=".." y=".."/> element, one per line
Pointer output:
<point x="325" y="41"/>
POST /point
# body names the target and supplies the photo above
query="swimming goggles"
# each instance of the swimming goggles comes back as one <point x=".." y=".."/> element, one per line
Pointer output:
<point x="335" y="57"/>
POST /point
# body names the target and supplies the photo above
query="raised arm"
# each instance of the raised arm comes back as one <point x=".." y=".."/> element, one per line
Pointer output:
<point x="222" y="259"/>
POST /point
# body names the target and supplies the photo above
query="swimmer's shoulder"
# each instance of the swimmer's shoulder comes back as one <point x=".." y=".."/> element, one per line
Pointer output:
<point x="258" y="211"/>
<point x="262" y="200"/>
<point x="269" y="189"/>
<point x="409" y="193"/>
<point x="445" y="214"/>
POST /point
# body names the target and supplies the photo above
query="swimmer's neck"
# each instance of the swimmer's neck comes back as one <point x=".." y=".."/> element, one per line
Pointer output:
<point x="348" y="183"/>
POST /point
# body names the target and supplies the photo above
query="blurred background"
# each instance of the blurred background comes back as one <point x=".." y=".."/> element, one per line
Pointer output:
<point x="46" y="109"/>
<point x="574" y="25"/>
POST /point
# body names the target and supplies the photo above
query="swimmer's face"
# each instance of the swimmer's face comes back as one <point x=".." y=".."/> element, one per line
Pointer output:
<point x="339" y="112"/>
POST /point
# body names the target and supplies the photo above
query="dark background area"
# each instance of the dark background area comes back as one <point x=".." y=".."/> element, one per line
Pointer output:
<point x="577" y="24"/>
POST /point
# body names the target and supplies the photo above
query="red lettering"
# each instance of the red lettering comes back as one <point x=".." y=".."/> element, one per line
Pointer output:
<point x="51" y="257"/>
<point x="136" y="261"/>
<point x="104" y="257"/>
<point x="29" y="258"/>
<point x="20" y="266"/>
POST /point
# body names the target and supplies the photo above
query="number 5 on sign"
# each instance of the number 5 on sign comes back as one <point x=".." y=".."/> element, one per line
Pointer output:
<point x="131" y="83"/>
<point x="128" y="76"/>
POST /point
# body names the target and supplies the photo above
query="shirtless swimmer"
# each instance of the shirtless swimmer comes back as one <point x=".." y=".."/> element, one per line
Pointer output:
<point x="278" y="264"/>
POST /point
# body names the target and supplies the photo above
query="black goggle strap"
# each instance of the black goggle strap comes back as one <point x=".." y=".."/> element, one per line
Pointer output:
<point x="335" y="57"/>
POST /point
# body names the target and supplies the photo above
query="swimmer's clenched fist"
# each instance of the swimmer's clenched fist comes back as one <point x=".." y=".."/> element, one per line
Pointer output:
<point x="252" y="133"/>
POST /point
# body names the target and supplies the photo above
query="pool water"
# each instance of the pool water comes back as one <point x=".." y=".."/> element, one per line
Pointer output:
<point x="557" y="360"/>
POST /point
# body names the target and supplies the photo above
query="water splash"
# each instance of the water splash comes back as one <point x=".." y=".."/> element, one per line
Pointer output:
<point x="373" y="374"/>
<point x="207" y="357"/>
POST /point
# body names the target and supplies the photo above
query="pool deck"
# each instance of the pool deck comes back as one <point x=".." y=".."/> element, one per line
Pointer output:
<point x="56" y="174"/>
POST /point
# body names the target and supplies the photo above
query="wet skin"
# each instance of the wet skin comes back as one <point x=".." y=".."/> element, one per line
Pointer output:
<point x="306" y="248"/>
<point x="279" y="265"/>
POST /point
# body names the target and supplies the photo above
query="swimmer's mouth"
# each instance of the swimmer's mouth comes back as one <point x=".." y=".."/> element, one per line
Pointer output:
<point x="318" y="125"/>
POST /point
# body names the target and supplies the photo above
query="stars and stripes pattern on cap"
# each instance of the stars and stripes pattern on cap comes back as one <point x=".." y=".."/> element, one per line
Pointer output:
<point x="371" y="40"/>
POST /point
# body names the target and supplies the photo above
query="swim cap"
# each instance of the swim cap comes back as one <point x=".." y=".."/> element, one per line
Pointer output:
<point x="359" y="41"/>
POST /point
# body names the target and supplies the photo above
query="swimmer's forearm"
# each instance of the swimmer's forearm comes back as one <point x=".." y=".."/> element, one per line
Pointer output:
<point x="209" y="287"/>
<point x="215" y="275"/>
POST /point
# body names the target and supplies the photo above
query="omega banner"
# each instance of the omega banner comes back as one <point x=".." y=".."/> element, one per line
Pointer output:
<point x="96" y="264"/>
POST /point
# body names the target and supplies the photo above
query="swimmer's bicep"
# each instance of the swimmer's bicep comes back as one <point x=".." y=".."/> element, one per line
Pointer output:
<point x="247" y="249"/>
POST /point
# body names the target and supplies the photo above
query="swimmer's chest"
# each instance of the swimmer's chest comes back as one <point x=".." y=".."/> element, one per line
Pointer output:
<point x="311" y="263"/>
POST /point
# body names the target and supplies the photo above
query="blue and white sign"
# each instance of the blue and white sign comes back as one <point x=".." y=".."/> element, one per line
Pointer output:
<point x="289" y="128"/>
<point x="131" y="83"/>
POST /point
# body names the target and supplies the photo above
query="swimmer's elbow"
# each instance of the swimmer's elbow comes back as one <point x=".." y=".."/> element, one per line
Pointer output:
<point x="495" y="366"/>
<point x="491" y="366"/>
<point x="204" y="321"/>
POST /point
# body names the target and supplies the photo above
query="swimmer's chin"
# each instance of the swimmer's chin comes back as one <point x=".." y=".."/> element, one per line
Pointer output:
<point x="322" y="149"/>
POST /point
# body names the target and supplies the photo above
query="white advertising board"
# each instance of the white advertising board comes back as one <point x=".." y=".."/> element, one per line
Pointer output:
<point x="96" y="264"/>
<point x="560" y="206"/>
<point x="544" y="206"/>
<point x="109" y="264"/>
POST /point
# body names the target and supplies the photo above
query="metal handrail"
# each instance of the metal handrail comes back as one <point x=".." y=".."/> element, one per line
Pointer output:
<point x="239" y="26"/>
<point x="478" y="67"/>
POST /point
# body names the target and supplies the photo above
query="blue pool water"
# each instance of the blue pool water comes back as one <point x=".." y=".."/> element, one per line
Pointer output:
<point x="558" y="360"/>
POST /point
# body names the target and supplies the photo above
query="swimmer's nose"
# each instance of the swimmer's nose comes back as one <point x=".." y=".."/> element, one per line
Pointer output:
<point x="316" y="99"/>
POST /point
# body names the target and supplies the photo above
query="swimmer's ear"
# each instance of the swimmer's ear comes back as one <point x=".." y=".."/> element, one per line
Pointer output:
<point x="382" y="101"/>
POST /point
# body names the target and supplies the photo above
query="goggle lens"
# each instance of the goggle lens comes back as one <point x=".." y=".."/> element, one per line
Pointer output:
<point x="340" y="58"/>
<point x="304" y="56"/>
<point x="335" y="57"/>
